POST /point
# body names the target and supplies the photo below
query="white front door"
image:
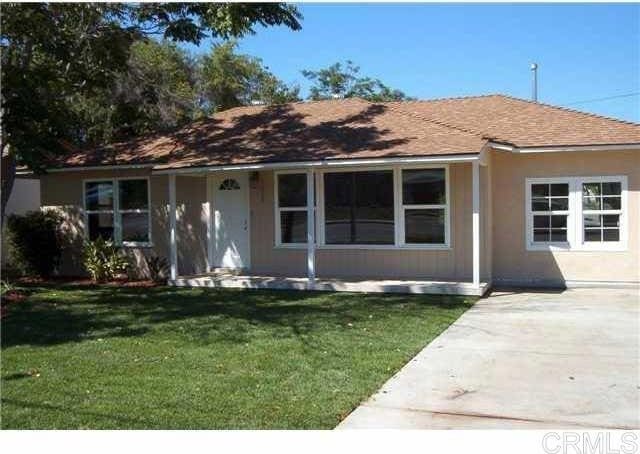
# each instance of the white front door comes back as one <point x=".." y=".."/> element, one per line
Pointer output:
<point x="231" y="220"/>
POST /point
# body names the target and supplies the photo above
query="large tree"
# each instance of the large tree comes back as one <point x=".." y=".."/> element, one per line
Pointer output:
<point x="229" y="79"/>
<point x="344" y="81"/>
<point x="54" y="54"/>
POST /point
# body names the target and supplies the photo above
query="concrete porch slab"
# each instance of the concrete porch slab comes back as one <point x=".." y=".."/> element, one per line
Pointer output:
<point x="230" y="280"/>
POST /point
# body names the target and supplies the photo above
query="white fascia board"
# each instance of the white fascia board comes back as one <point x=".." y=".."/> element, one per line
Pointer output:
<point x="88" y="168"/>
<point x="513" y="149"/>
<point x="467" y="157"/>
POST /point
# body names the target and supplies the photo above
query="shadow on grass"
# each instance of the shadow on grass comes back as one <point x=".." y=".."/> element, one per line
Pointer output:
<point x="67" y="410"/>
<point x="60" y="314"/>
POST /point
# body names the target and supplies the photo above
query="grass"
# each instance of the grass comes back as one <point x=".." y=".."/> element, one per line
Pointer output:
<point x="143" y="358"/>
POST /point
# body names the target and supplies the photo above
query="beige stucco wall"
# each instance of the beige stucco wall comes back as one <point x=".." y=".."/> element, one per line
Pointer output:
<point x="454" y="263"/>
<point x="511" y="260"/>
<point x="64" y="191"/>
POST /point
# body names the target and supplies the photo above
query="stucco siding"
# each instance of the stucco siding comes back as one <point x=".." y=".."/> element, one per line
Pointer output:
<point x="511" y="260"/>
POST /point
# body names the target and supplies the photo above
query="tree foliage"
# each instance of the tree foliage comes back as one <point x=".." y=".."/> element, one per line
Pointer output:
<point x="343" y="81"/>
<point x="56" y="55"/>
<point x="230" y="80"/>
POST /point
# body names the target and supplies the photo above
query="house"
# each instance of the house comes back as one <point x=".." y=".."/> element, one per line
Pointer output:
<point x="445" y="196"/>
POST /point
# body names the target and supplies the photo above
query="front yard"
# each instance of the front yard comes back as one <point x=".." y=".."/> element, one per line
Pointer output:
<point x="142" y="358"/>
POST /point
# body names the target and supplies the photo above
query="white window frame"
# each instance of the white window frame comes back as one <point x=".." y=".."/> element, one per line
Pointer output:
<point x="278" y="209"/>
<point x="398" y="209"/>
<point x="575" y="224"/>
<point x="116" y="212"/>
<point x="401" y="240"/>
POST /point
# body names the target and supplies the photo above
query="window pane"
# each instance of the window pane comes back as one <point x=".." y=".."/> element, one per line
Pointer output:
<point x="133" y="195"/>
<point x="424" y="226"/>
<point x="611" y="188"/>
<point x="592" y="220"/>
<point x="592" y="234"/>
<point x="611" y="220"/>
<point x="559" y="221"/>
<point x="541" y="235"/>
<point x="135" y="227"/>
<point x="424" y="187"/>
<point x="293" y="227"/>
<point x="561" y="204"/>
<point x="591" y="189"/>
<point x="591" y="203"/>
<point x="560" y="189"/>
<point x="558" y="235"/>
<point x="100" y="225"/>
<point x="99" y="195"/>
<point x="292" y="190"/>
<point x="539" y="190"/>
<point x="541" y="222"/>
<point x="540" y="205"/>
<point x="611" y="235"/>
<point x="611" y="203"/>
<point x="359" y="208"/>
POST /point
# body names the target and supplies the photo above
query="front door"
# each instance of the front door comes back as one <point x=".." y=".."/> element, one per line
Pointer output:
<point x="231" y="220"/>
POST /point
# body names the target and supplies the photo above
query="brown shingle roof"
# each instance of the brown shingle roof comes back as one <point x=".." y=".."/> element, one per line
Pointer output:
<point x="354" y="128"/>
<point x="525" y="123"/>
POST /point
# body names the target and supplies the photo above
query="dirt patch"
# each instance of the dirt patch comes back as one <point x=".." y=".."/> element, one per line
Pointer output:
<point x="86" y="282"/>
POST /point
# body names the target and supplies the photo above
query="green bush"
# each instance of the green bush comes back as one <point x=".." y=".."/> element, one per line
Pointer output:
<point x="34" y="242"/>
<point x="103" y="261"/>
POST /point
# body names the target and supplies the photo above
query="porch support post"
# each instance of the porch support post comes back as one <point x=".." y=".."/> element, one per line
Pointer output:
<point x="311" y="231"/>
<point x="475" y="184"/>
<point x="173" y="246"/>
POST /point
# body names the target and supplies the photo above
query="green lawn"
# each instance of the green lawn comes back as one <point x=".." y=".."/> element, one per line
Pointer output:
<point x="102" y="358"/>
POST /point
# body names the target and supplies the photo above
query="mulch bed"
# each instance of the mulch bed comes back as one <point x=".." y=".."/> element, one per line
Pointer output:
<point x="86" y="282"/>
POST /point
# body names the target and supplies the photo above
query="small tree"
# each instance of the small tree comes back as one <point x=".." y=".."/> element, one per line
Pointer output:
<point x="34" y="240"/>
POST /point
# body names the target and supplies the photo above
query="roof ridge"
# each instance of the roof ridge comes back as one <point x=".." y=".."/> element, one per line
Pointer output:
<point x="567" y="109"/>
<point x="444" y="98"/>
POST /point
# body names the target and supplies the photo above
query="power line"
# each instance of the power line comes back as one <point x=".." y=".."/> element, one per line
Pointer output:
<point x="626" y="95"/>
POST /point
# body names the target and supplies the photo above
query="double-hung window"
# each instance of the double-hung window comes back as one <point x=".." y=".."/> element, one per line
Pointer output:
<point x="576" y="213"/>
<point x="291" y="209"/>
<point x="365" y="208"/>
<point x="118" y="211"/>
<point x="601" y="211"/>
<point x="424" y="211"/>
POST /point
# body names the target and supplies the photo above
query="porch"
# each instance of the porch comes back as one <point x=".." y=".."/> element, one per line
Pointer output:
<point x="217" y="279"/>
<point x="243" y="231"/>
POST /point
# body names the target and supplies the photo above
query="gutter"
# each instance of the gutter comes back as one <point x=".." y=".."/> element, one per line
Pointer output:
<point x="543" y="149"/>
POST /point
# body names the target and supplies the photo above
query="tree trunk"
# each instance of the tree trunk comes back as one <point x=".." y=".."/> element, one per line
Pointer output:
<point x="8" y="177"/>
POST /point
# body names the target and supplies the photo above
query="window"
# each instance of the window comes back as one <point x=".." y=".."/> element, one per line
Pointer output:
<point x="291" y="208"/>
<point x="118" y="210"/>
<point x="601" y="211"/>
<point x="229" y="185"/>
<point x="576" y="213"/>
<point x="424" y="206"/>
<point x="358" y="207"/>
<point x="365" y="208"/>
<point x="550" y="208"/>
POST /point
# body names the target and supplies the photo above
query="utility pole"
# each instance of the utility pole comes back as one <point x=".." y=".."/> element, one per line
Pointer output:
<point x="534" y="82"/>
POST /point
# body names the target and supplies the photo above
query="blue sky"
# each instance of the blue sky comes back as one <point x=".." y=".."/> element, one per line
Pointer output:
<point x="585" y="51"/>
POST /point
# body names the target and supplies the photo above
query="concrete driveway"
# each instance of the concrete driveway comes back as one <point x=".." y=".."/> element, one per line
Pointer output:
<point x="534" y="360"/>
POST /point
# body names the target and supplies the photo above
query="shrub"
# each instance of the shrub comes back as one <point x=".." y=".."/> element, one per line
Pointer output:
<point x="103" y="261"/>
<point x="35" y="243"/>
<point x="158" y="268"/>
